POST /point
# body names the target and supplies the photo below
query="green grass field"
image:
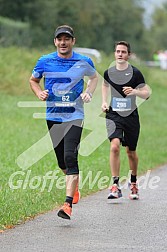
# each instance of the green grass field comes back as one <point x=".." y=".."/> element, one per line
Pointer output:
<point x="26" y="191"/>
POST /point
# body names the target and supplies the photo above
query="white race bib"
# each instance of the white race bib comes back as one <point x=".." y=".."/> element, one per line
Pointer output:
<point x="121" y="104"/>
<point x="65" y="99"/>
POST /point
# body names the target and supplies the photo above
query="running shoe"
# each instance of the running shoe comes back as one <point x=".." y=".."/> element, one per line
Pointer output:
<point x="134" y="195"/>
<point x="115" y="193"/>
<point x="77" y="195"/>
<point x="65" y="211"/>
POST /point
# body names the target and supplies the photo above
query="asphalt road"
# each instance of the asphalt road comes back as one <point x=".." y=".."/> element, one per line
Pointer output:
<point x="98" y="226"/>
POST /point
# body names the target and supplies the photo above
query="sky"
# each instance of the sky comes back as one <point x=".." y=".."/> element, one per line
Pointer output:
<point x="150" y="6"/>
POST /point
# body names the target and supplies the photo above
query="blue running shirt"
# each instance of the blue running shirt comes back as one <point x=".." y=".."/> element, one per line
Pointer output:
<point x="64" y="80"/>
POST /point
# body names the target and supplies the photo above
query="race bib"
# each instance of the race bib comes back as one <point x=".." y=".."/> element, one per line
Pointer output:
<point x="121" y="104"/>
<point x="64" y="99"/>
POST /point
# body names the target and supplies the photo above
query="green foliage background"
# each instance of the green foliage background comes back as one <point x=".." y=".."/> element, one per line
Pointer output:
<point x="97" y="24"/>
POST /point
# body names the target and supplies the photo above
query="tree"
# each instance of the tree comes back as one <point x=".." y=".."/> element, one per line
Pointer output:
<point x="97" y="24"/>
<point x="16" y="10"/>
<point x="158" y="29"/>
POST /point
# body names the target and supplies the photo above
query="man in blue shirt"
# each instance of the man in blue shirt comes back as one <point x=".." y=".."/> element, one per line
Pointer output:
<point x="63" y="72"/>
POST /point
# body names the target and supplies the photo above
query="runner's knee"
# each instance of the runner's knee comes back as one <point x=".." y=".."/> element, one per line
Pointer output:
<point x="115" y="148"/>
<point x="71" y="163"/>
<point x="132" y="154"/>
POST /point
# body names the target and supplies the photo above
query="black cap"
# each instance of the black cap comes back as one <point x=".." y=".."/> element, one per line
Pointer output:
<point x="64" y="30"/>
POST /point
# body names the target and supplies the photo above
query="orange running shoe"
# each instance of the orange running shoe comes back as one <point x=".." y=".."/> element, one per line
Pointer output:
<point x="134" y="195"/>
<point x="77" y="195"/>
<point x="65" y="211"/>
<point x="115" y="194"/>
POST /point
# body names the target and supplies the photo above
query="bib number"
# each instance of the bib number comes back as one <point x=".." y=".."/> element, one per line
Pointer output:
<point x="121" y="104"/>
<point x="65" y="100"/>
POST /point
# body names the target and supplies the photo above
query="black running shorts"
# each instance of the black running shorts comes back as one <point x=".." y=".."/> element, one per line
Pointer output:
<point x="126" y="128"/>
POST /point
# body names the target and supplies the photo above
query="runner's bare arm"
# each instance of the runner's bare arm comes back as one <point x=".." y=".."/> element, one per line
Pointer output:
<point x="91" y="86"/>
<point x="105" y="93"/>
<point x="36" y="88"/>
<point x="143" y="92"/>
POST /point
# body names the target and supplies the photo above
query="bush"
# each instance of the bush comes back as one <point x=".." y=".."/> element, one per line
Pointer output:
<point x="14" y="33"/>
